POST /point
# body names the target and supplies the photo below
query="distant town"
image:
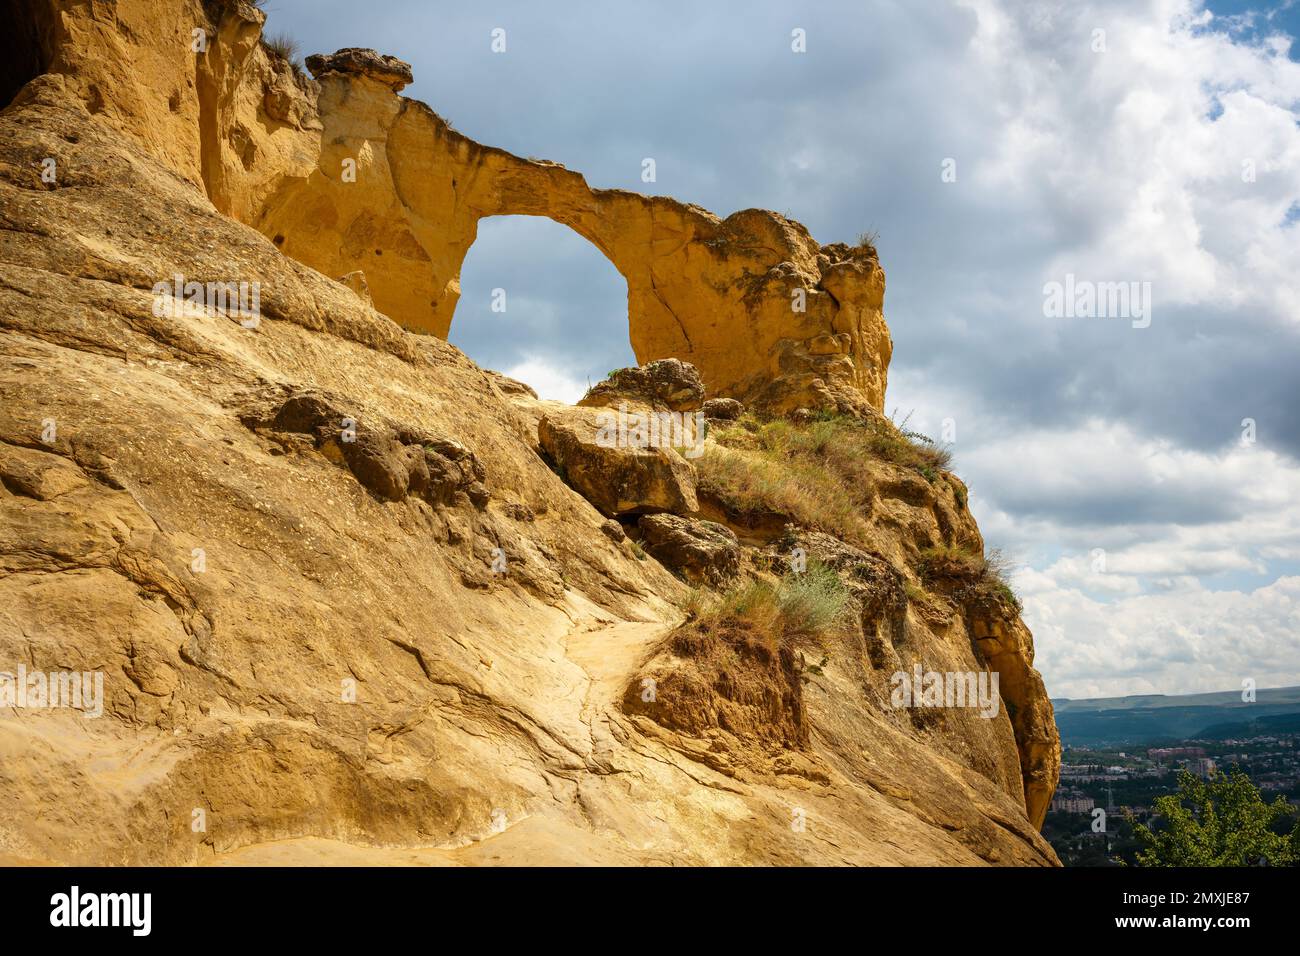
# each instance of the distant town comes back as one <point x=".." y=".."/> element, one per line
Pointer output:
<point x="1124" y="782"/>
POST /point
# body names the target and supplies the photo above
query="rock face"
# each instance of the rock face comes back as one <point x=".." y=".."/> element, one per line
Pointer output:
<point x="342" y="607"/>
<point x="1008" y="647"/>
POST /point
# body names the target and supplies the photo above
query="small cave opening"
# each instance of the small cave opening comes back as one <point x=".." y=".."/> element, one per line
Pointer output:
<point x="24" y="45"/>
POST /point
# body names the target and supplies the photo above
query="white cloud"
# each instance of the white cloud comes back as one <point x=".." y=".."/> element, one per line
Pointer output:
<point x="548" y="380"/>
<point x="1124" y="165"/>
<point x="1123" y="143"/>
<point x="1186" y="642"/>
<point x="1118" y="585"/>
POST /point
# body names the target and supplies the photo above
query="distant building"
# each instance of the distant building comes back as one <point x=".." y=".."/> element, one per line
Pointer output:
<point x="1202" y="766"/>
<point x="1165" y="754"/>
<point x="1073" y="804"/>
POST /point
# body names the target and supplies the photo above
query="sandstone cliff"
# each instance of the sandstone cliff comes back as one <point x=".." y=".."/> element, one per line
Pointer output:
<point x="347" y="598"/>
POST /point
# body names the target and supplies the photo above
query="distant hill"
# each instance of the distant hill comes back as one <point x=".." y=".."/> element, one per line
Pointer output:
<point x="1274" y="724"/>
<point x="1151" y="719"/>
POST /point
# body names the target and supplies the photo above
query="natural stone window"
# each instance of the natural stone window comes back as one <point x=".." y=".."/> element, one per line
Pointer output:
<point x="564" y="323"/>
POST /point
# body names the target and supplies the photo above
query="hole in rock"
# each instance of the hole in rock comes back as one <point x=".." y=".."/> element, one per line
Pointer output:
<point x="543" y="305"/>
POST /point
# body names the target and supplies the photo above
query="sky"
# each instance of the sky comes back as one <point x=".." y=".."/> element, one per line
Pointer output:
<point x="1141" y="471"/>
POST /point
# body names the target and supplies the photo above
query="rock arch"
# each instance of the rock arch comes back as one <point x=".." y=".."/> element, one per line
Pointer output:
<point x="723" y="294"/>
<point x="345" y="174"/>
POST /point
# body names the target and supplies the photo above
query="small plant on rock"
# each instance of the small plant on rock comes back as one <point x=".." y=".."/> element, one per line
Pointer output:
<point x="283" y="47"/>
<point x="811" y="604"/>
<point x="965" y="572"/>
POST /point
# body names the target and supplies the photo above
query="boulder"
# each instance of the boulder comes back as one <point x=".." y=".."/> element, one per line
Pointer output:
<point x="723" y="409"/>
<point x="383" y="465"/>
<point x="667" y="383"/>
<point x="702" y="552"/>
<point x="616" y="478"/>
<point x="391" y="462"/>
<point x="388" y="70"/>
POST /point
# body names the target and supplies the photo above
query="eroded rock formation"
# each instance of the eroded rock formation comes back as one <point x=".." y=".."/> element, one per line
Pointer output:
<point x="343" y="604"/>
<point x="346" y="175"/>
<point x="761" y="309"/>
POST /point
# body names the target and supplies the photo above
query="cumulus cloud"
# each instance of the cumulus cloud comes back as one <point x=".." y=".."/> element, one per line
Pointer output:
<point x="1188" y="642"/>
<point x="1106" y="479"/>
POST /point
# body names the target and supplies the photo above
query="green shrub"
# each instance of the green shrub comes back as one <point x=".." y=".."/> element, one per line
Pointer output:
<point x="1221" y="821"/>
<point x="813" y="602"/>
<point x="959" y="492"/>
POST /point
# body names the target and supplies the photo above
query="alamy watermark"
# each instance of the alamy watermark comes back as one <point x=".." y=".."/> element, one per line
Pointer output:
<point x="625" y="429"/>
<point x="921" y="688"/>
<point x="74" y="908"/>
<point x="228" y="298"/>
<point x="37" y="690"/>
<point x="1084" y="299"/>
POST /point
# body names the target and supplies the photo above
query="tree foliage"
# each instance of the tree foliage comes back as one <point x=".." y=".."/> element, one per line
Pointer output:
<point x="1220" y="821"/>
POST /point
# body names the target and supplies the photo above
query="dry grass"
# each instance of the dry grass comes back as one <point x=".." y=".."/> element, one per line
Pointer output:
<point x="807" y="494"/>
<point x="916" y="594"/>
<point x="951" y="563"/>
<point x="284" y="47"/>
<point x="867" y="242"/>
<point x="969" y="572"/>
<point x="818" y="474"/>
<point x="810" y="605"/>
<point x="842" y="442"/>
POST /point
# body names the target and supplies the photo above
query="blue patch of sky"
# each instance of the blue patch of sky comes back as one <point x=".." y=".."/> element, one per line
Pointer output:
<point x="1252" y="21"/>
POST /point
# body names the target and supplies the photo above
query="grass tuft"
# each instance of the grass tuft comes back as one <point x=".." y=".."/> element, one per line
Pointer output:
<point x="281" y="45"/>
<point x="867" y="242"/>
<point x="966" y="571"/>
<point x="811" y="604"/>
<point x="284" y="47"/>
